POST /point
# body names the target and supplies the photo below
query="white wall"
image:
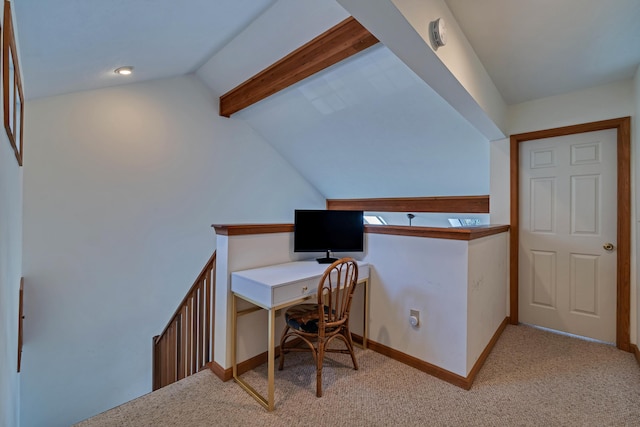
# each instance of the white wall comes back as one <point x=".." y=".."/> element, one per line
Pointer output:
<point x="242" y="253"/>
<point x="120" y="190"/>
<point x="424" y="274"/>
<point x="10" y="273"/>
<point x="499" y="209"/>
<point x="487" y="292"/>
<point x="635" y="135"/>
<point x="597" y="103"/>
<point x="459" y="288"/>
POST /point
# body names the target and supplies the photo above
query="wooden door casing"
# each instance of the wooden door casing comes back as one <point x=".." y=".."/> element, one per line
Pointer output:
<point x="623" y="285"/>
<point x="567" y="279"/>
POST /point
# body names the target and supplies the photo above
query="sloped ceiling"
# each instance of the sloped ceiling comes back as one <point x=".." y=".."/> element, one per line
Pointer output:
<point x="369" y="117"/>
<point x="73" y="45"/>
<point x="538" y="48"/>
<point x="369" y="127"/>
<point x="366" y="127"/>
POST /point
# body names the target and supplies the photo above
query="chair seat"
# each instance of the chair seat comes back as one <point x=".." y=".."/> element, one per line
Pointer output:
<point x="303" y="317"/>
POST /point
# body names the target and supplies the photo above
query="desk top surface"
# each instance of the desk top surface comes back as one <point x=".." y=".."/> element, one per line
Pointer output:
<point x="281" y="285"/>
<point x="282" y="274"/>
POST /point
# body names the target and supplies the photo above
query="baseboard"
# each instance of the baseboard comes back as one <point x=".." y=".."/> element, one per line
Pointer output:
<point x="356" y="338"/>
<point x="483" y="356"/>
<point x="436" y="371"/>
<point x="636" y="352"/>
<point x="419" y="364"/>
<point x="220" y="372"/>
<point x="247" y="365"/>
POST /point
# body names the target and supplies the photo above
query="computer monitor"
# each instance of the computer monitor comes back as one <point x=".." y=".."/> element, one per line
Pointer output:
<point x="328" y="231"/>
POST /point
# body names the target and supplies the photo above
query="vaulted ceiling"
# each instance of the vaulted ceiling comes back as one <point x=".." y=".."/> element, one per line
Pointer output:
<point x="531" y="48"/>
<point x="72" y="45"/>
<point x="538" y="48"/>
<point x="396" y="121"/>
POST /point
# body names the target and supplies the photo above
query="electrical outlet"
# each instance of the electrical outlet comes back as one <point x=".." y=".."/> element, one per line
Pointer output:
<point x="414" y="317"/>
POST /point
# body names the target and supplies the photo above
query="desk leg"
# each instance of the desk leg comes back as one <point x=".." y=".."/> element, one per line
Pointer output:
<point x="234" y="333"/>
<point x="365" y="322"/>
<point x="267" y="403"/>
<point x="271" y="360"/>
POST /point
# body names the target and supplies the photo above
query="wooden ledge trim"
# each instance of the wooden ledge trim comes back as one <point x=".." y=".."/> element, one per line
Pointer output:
<point x="339" y="42"/>
<point x="243" y="229"/>
<point x="471" y="233"/>
<point x="446" y="204"/>
<point x="453" y="233"/>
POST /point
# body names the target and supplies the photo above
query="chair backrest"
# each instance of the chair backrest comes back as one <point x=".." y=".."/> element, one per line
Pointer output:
<point x="335" y="292"/>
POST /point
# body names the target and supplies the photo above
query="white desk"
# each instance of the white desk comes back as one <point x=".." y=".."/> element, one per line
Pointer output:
<point x="275" y="287"/>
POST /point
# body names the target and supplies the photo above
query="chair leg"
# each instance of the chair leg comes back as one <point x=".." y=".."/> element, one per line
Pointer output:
<point x="282" y="339"/>
<point x="319" y="359"/>
<point x="347" y="332"/>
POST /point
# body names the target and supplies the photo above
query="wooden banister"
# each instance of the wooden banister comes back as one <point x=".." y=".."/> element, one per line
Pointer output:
<point x="185" y="345"/>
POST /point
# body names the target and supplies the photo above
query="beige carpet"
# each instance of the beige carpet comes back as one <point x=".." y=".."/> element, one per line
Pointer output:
<point x="531" y="378"/>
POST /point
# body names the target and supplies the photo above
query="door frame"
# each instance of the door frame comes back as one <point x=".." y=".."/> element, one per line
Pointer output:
<point x="623" y="293"/>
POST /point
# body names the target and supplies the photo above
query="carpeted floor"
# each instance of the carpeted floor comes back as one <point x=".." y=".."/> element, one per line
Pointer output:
<point x="531" y="378"/>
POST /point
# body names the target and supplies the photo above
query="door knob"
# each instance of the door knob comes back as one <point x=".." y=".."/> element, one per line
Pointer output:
<point x="608" y="247"/>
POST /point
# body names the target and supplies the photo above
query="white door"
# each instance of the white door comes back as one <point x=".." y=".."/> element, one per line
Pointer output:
<point x="568" y="220"/>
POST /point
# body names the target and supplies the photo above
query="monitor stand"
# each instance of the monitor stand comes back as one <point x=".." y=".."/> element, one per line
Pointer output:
<point x="326" y="260"/>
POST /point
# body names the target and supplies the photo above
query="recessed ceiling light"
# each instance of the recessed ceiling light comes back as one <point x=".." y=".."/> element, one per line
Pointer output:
<point x="124" y="71"/>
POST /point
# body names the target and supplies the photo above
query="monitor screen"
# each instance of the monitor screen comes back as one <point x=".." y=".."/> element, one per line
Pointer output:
<point x="328" y="230"/>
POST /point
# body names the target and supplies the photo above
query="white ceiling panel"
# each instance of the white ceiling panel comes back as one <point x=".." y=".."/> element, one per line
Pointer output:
<point x="72" y="45"/>
<point x="371" y="117"/>
<point x="538" y="48"/>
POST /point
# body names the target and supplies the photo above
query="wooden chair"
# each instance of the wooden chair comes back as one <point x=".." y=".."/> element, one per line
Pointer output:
<point x="320" y="323"/>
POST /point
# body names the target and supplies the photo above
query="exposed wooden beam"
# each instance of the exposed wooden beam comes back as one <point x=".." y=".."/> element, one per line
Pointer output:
<point x="339" y="42"/>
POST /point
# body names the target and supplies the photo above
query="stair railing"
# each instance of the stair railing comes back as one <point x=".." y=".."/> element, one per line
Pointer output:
<point x="185" y="346"/>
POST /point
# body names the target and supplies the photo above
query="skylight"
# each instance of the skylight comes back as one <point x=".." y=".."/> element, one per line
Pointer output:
<point x="464" y="222"/>
<point x="374" y="219"/>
